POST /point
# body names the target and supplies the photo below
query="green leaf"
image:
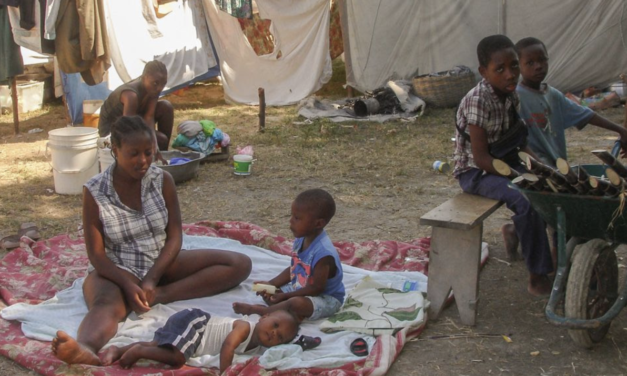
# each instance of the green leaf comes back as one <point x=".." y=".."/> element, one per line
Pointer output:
<point x="345" y="316"/>
<point x="387" y="290"/>
<point x="405" y="314"/>
<point x="350" y="302"/>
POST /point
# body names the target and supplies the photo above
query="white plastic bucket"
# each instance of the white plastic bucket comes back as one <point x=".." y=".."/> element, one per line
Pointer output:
<point x="242" y="164"/>
<point x="105" y="158"/>
<point x="74" y="157"/>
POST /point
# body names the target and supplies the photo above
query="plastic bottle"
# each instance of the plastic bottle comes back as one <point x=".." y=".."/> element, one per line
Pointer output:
<point x="404" y="285"/>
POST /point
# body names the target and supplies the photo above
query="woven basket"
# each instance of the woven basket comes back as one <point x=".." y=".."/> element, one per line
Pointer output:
<point x="443" y="90"/>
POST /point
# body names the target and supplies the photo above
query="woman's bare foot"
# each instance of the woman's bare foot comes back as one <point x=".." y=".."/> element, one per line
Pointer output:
<point x="111" y="355"/>
<point x="511" y="241"/>
<point x="249" y="309"/>
<point x="539" y="285"/>
<point x="70" y="351"/>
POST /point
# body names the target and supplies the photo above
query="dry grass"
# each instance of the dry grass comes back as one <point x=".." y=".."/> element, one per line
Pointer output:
<point x="369" y="167"/>
<point x="358" y="162"/>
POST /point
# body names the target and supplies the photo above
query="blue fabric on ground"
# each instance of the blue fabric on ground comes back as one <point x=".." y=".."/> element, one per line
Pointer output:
<point x="178" y="161"/>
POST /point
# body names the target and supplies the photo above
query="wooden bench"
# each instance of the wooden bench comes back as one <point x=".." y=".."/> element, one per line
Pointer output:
<point x="455" y="256"/>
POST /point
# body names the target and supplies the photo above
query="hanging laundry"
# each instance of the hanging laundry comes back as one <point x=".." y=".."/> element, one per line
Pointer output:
<point x="236" y="8"/>
<point x="27" y="26"/>
<point x="50" y="21"/>
<point x="27" y="14"/>
<point x="11" y="63"/>
<point x="82" y="49"/>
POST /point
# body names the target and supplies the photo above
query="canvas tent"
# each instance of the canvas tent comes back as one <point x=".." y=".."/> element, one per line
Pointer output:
<point x="395" y="39"/>
<point x="391" y="39"/>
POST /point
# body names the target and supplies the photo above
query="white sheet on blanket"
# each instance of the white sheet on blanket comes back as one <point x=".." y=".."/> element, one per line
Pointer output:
<point x="67" y="308"/>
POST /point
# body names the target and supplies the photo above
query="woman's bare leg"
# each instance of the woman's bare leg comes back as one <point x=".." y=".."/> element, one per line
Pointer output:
<point x="107" y="308"/>
<point x="200" y="273"/>
<point x="164" y="123"/>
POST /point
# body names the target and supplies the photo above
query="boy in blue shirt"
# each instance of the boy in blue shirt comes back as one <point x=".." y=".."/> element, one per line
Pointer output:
<point x="546" y="110"/>
<point x="311" y="287"/>
<point x="489" y="128"/>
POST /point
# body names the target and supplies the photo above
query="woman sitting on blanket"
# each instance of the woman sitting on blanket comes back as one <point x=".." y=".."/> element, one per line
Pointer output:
<point x="133" y="236"/>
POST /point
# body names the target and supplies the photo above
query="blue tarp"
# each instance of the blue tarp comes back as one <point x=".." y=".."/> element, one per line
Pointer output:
<point x="76" y="91"/>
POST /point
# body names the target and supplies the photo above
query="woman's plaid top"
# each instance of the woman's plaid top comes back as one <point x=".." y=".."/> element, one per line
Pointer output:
<point x="133" y="239"/>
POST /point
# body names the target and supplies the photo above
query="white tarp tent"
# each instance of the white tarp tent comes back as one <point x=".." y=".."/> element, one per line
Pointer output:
<point x="395" y="39"/>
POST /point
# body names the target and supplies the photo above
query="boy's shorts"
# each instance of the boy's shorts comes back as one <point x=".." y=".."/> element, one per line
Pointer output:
<point x="184" y="330"/>
<point x="323" y="305"/>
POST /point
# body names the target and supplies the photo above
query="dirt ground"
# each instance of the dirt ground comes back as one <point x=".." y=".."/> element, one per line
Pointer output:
<point x="381" y="177"/>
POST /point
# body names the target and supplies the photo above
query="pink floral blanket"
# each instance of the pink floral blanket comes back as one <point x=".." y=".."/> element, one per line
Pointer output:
<point x="36" y="271"/>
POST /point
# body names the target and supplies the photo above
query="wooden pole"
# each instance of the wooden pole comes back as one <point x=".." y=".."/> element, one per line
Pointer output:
<point x="504" y="169"/>
<point x="534" y="181"/>
<point x="546" y="172"/>
<point x="521" y="182"/>
<point x="564" y="168"/>
<point x="609" y="160"/>
<point x="528" y="181"/>
<point x="595" y="187"/>
<point x="552" y="186"/>
<point x="603" y="186"/>
<point x="68" y="117"/>
<point x="534" y="166"/>
<point x="262" y="109"/>
<point x="349" y="91"/>
<point x="16" y="116"/>
<point x="615" y="179"/>
<point x="580" y="182"/>
<point x="624" y="78"/>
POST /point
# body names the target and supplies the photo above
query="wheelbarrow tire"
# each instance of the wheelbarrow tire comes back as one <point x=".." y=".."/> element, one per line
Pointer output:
<point x="591" y="289"/>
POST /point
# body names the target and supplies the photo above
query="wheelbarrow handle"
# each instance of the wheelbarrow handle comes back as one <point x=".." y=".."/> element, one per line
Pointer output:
<point x="616" y="148"/>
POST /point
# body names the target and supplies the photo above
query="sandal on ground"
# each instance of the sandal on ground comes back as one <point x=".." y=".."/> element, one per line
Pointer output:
<point x="359" y="347"/>
<point x="307" y="342"/>
<point x="10" y="242"/>
<point x="30" y="230"/>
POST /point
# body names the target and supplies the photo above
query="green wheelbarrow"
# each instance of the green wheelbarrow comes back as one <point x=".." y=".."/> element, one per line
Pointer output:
<point x="586" y="280"/>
